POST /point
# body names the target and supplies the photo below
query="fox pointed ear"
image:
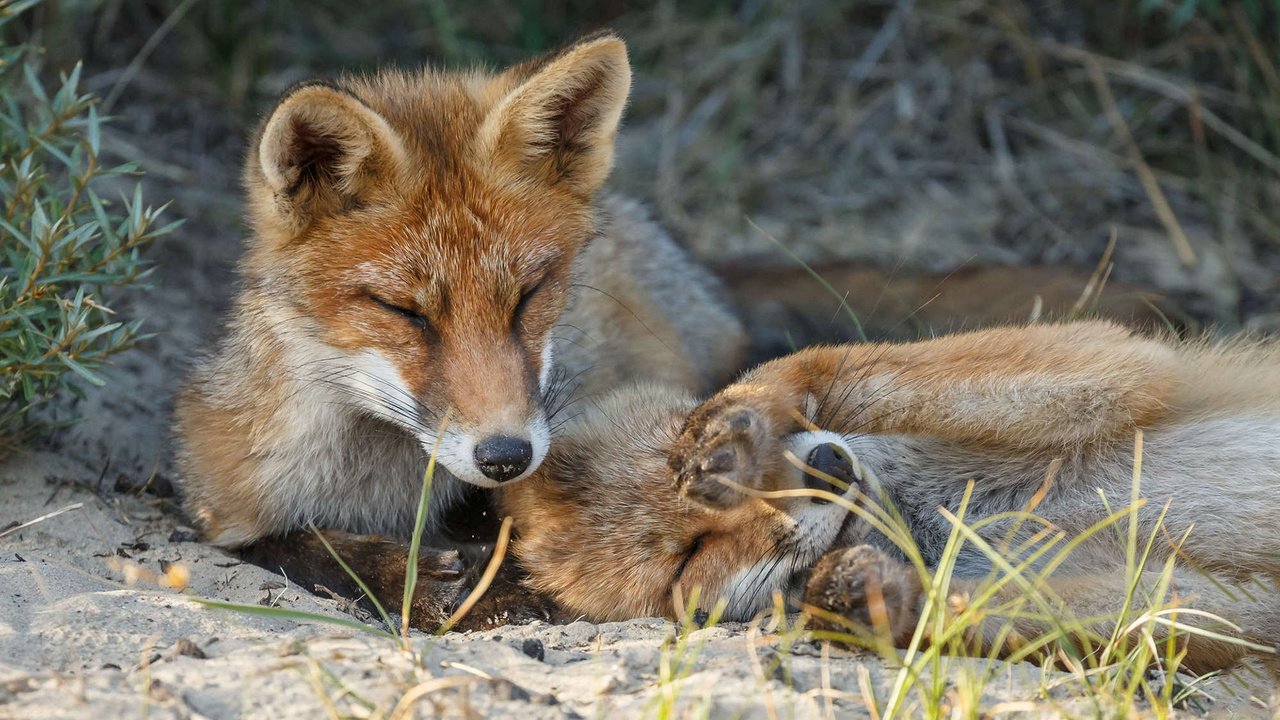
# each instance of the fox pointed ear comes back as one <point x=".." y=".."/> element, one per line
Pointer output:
<point x="559" y="122"/>
<point x="323" y="151"/>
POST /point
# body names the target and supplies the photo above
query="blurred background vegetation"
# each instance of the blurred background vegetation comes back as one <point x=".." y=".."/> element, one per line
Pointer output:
<point x="930" y="133"/>
<point x="909" y="134"/>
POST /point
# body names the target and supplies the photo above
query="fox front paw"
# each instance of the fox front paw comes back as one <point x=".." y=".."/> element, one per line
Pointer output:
<point x="441" y="587"/>
<point x="865" y="595"/>
<point x="722" y="451"/>
<point x="506" y="601"/>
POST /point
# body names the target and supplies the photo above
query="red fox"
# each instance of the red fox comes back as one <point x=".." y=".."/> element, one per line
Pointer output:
<point x="432" y="262"/>
<point x="633" y="501"/>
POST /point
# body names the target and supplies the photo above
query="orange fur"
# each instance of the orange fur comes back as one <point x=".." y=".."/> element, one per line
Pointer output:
<point x="604" y="527"/>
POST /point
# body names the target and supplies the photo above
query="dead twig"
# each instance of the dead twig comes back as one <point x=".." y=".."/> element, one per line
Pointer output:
<point x="42" y="518"/>
<point x="1186" y="255"/>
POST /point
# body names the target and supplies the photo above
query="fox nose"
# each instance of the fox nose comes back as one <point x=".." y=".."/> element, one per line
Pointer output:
<point x="830" y="460"/>
<point x="501" y="458"/>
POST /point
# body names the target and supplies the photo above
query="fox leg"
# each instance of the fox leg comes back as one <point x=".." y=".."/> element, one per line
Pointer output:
<point x="443" y="582"/>
<point x="1025" y="388"/>
<point x="861" y="589"/>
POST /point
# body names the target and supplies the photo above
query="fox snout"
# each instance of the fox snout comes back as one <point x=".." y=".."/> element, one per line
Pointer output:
<point x="480" y="430"/>
<point x="502" y="457"/>
<point x="829" y="469"/>
<point x="489" y="458"/>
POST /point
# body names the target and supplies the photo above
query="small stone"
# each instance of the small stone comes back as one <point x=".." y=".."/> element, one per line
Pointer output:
<point x="533" y="648"/>
<point x="185" y="647"/>
<point x="161" y="487"/>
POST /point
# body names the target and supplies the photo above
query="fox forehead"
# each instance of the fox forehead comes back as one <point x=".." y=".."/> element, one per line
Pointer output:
<point x="410" y="244"/>
<point x="420" y="259"/>
<point x="571" y="539"/>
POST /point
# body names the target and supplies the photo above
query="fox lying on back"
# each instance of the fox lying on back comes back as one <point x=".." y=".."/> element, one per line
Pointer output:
<point x="606" y="528"/>
<point x="431" y="261"/>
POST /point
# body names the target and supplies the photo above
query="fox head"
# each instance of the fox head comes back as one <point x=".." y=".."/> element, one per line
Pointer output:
<point x="602" y="528"/>
<point x="419" y="229"/>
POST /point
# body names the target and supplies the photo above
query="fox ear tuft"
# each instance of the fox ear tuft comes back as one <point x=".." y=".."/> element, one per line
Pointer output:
<point x="559" y="123"/>
<point x="322" y="151"/>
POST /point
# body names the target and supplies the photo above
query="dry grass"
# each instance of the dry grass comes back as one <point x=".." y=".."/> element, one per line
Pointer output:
<point x="936" y="134"/>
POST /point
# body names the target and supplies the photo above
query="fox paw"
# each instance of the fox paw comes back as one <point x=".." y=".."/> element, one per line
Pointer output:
<point x="722" y="451"/>
<point x="441" y="586"/>
<point x="508" y="600"/>
<point x="865" y="594"/>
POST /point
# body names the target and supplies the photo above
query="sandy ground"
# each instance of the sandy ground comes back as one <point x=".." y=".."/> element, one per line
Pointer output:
<point x="85" y="631"/>
<point x="77" y="639"/>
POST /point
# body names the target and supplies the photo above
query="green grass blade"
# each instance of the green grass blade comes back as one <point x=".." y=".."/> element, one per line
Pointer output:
<point x="415" y="543"/>
<point x="844" y="303"/>
<point x="294" y="615"/>
<point x="382" y="612"/>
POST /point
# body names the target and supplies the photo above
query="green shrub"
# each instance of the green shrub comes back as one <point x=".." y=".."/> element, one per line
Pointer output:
<point x="62" y="246"/>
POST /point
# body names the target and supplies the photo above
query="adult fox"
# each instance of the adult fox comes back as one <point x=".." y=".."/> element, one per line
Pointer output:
<point x="607" y="526"/>
<point x="430" y="253"/>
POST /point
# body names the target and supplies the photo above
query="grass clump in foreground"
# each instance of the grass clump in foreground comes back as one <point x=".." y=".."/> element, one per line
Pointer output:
<point x="1122" y="665"/>
<point x="63" y="245"/>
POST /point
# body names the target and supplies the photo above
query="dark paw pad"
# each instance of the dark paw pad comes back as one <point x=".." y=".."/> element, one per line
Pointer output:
<point x="728" y="452"/>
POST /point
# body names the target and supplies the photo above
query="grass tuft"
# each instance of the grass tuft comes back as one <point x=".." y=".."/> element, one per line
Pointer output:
<point x="1110" y="673"/>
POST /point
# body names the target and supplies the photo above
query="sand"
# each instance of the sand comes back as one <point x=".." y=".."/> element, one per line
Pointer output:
<point x="78" y="639"/>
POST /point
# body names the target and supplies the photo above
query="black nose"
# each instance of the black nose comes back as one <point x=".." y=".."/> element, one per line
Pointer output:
<point x="501" y="458"/>
<point x="829" y="459"/>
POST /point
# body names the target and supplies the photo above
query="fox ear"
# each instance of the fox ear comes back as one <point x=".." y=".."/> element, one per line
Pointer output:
<point x="322" y="151"/>
<point x="558" y="124"/>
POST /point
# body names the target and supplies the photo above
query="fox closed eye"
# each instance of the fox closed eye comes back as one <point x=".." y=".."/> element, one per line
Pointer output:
<point x="411" y="315"/>
<point x="694" y="548"/>
<point x="526" y="298"/>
